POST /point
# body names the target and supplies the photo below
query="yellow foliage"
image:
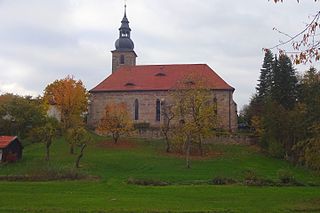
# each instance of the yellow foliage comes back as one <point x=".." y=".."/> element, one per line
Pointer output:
<point x="71" y="99"/>
<point x="257" y="125"/>
<point x="116" y="121"/>
<point x="195" y="108"/>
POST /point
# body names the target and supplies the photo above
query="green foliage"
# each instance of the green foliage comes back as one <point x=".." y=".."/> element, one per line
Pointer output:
<point x="275" y="127"/>
<point x="284" y="88"/>
<point x="142" y="182"/>
<point x="250" y="176"/>
<point x="285" y="176"/>
<point x="266" y="76"/>
<point x="275" y="148"/>
<point x="283" y="115"/>
<point x="78" y="137"/>
<point x="46" y="135"/>
<point x="312" y="155"/>
<point x="309" y="95"/>
<point x="308" y="150"/>
<point x="222" y="181"/>
<point x="38" y="134"/>
<point x="19" y="115"/>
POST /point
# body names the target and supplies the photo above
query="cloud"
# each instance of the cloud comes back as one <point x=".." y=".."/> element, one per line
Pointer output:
<point x="43" y="40"/>
<point x="15" y="88"/>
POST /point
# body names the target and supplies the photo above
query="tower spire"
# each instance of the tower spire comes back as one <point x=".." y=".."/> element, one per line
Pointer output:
<point x="124" y="41"/>
<point x="124" y="53"/>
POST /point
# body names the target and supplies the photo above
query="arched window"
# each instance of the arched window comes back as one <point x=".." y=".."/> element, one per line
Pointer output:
<point x="158" y="110"/>
<point x="136" y="110"/>
<point x="215" y="104"/>
<point x="121" y="59"/>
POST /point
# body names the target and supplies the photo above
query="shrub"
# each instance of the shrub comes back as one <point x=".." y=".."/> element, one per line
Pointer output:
<point x="285" y="176"/>
<point x="250" y="177"/>
<point x="222" y="181"/>
<point x="141" y="125"/>
<point x="143" y="182"/>
<point x="48" y="173"/>
<point x="275" y="149"/>
<point x="265" y="182"/>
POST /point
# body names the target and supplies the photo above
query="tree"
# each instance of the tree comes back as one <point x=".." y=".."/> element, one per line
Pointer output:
<point x="309" y="148"/>
<point x="19" y="115"/>
<point x="305" y="44"/>
<point x="309" y="94"/>
<point x="266" y="76"/>
<point x="195" y="111"/>
<point x="73" y="137"/>
<point x="71" y="99"/>
<point x="166" y="127"/>
<point x="274" y="112"/>
<point x="79" y="137"/>
<point x="46" y="134"/>
<point x="284" y="88"/>
<point x="116" y="121"/>
<point x="275" y="129"/>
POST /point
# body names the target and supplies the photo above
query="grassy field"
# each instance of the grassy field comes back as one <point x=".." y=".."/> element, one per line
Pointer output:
<point x="145" y="160"/>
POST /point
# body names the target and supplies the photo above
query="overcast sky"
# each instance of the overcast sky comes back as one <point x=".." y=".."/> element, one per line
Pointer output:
<point x="45" y="40"/>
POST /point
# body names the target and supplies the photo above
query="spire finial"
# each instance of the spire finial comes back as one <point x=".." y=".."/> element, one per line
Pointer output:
<point x="125" y="7"/>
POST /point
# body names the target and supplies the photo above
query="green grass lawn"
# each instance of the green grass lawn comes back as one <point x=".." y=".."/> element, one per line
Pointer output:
<point x="147" y="160"/>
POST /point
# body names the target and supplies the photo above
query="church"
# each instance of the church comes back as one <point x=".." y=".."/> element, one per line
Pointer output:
<point x="145" y="87"/>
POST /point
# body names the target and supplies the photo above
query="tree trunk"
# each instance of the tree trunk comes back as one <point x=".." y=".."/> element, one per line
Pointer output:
<point x="71" y="149"/>
<point x="168" y="148"/>
<point x="115" y="137"/>
<point x="200" y="146"/>
<point x="80" y="155"/>
<point x="48" y="143"/>
<point x="188" y="153"/>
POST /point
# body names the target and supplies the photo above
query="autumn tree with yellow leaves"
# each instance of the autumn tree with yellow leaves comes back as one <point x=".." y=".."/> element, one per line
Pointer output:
<point x="116" y="121"/>
<point x="79" y="137"/>
<point x="195" y="112"/>
<point x="71" y="99"/>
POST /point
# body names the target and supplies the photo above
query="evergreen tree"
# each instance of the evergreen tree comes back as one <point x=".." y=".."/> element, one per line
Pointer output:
<point x="284" y="87"/>
<point x="266" y="75"/>
<point x="309" y="94"/>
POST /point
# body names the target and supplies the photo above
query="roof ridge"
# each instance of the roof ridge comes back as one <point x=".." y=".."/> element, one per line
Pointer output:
<point x="144" y="65"/>
<point x="144" y="76"/>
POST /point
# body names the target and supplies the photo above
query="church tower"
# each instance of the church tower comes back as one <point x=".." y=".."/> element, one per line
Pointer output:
<point x="124" y="53"/>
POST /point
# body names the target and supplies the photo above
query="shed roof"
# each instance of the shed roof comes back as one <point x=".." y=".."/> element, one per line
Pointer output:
<point x="6" y="140"/>
<point x="158" y="77"/>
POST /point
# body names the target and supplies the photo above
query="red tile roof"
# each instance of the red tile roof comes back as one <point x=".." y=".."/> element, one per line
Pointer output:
<point x="6" y="140"/>
<point x="158" y="77"/>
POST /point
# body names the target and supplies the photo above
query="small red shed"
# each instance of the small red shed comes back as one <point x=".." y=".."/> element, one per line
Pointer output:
<point x="10" y="149"/>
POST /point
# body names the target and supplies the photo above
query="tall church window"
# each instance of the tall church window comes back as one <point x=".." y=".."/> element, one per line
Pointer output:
<point x="158" y="109"/>
<point x="215" y="104"/>
<point x="122" y="59"/>
<point x="136" y="110"/>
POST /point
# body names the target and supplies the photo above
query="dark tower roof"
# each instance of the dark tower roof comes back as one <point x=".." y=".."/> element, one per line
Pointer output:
<point x="124" y="42"/>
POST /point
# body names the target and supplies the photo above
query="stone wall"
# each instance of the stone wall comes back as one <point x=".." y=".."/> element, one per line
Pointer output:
<point x="217" y="139"/>
<point x="226" y="108"/>
<point x="129" y="59"/>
